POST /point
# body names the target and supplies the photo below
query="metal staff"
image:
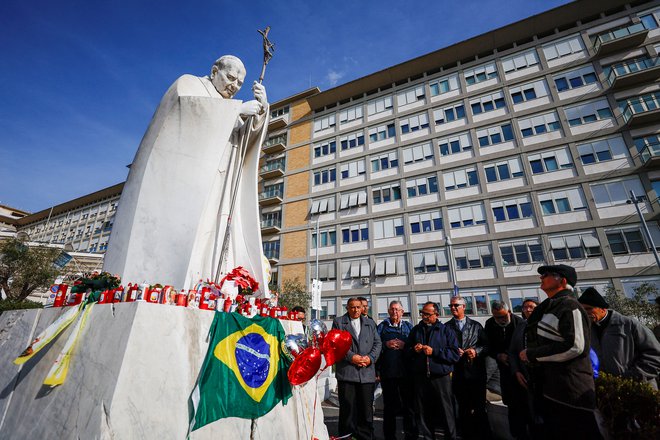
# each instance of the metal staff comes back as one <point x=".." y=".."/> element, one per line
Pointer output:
<point x="268" y="54"/>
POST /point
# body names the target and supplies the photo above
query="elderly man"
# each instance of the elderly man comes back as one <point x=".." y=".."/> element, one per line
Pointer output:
<point x="197" y="160"/>
<point x="469" y="378"/>
<point x="499" y="331"/>
<point x="433" y="350"/>
<point x="394" y="374"/>
<point x="624" y="346"/>
<point x="356" y="373"/>
<point x="557" y="350"/>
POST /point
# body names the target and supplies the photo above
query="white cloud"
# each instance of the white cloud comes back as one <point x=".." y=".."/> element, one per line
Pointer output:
<point x="334" y="77"/>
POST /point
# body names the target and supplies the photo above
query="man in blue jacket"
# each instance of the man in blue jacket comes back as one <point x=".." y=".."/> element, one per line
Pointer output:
<point x="356" y="373"/>
<point x="394" y="373"/>
<point x="433" y="351"/>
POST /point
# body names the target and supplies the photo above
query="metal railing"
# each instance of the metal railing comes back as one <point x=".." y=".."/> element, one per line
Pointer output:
<point x="272" y="222"/>
<point x="617" y="34"/>
<point x="273" y="165"/>
<point x="631" y="66"/>
<point x="640" y="104"/>
<point x="649" y="151"/>
<point x="271" y="193"/>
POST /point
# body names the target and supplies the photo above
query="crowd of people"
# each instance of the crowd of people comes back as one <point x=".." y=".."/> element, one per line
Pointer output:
<point x="435" y="375"/>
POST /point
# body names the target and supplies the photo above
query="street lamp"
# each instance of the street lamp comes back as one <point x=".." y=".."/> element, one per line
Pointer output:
<point x="452" y="268"/>
<point x="635" y="200"/>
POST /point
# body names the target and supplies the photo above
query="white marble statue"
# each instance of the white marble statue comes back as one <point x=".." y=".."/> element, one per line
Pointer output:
<point x="172" y="217"/>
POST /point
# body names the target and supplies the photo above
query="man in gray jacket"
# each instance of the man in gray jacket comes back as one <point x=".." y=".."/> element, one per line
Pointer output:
<point x="356" y="373"/>
<point x="624" y="346"/>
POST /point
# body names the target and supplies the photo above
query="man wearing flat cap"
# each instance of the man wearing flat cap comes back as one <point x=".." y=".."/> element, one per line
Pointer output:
<point x="557" y="351"/>
<point x="624" y="346"/>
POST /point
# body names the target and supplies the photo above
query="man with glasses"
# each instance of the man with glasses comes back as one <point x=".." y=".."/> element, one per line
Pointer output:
<point x="469" y="378"/>
<point x="433" y="352"/>
<point x="557" y="351"/>
<point x="394" y="374"/>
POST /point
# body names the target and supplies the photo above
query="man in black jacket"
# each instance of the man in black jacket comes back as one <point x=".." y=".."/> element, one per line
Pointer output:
<point x="469" y="378"/>
<point x="433" y="351"/>
<point x="499" y="331"/>
<point x="557" y="351"/>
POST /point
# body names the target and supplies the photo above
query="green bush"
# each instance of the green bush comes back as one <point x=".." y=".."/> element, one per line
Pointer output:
<point x="11" y="304"/>
<point x="631" y="409"/>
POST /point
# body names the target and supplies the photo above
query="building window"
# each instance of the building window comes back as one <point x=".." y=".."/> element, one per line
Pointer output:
<point x="512" y="209"/>
<point x="559" y="202"/>
<point x="324" y="123"/>
<point x="602" y="150"/>
<point x="520" y="61"/>
<point x="279" y="112"/>
<point x="495" y="135"/>
<point x="629" y="241"/>
<point x="325" y="148"/>
<point x="462" y="178"/>
<point x="326" y="238"/>
<point x="390" y="265"/>
<point x="325" y="176"/>
<point x="616" y="192"/>
<point x="351" y="200"/>
<point x="648" y="144"/>
<point x="487" y="103"/>
<point x="388" y="228"/>
<point x="522" y="252"/>
<point x="272" y="249"/>
<point x="410" y="95"/>
<point x="444" y="85"/>
<point x="355" y="269"/>
<point x="587" y="113"/>
<point x="355" y="233"/>
<point x="473" y="257"/>
<point x="518" y="295"/>
<point x="550" y="161"/>
<point x="562" y="48"/>
<point x="575" y="78"/>
<point x="430" y="261"/>
<point x="504" y="170"/>
<point x="328" y="308"/>
<point x="575" y="246"/>
<point x="539" y="124"/>
<point x="418" y="153"/>
<point x="422" y="186"/>
<point x="353" y="169"/>
<point x="480" y="73"/>
<point x="320" y="206"/>
<point x="379" y="105"/>
<point x="455" y="144"/>
<point x="414" y="123"/>
<point x="386" y="193"/>
<point x="639" y="104"/>
<point x="448" y="114"/>
<point x="529" y="92"/>
<point x="351" y="140"/>
<point x="271" y="218"/>
<point x="382" y="132"/>
<point x="327" y="271"/>
<point x="350" y="114"/>
<point x="464" y="216"/>
<point x="384" y="161"/>
<point x="425" y="222"/>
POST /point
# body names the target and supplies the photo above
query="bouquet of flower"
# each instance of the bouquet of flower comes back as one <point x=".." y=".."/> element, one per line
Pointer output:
<point x="244" y="281"/>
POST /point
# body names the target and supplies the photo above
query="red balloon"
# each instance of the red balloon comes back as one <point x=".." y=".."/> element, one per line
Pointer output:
<point x="335" y="345"/>
<point x="305" y="366"/>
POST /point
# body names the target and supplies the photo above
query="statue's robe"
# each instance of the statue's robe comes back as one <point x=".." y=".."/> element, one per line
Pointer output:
<point x="169" y="225"/>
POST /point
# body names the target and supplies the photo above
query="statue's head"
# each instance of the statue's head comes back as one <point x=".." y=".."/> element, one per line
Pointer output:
<point x="227" y="75"/>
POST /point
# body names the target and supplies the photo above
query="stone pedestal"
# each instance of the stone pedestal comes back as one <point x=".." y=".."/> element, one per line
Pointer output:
<point x="130" y="378"/>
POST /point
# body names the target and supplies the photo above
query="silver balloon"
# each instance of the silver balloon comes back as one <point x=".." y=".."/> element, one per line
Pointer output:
<point x="293" y="345"/>
<point x="316" y="331"/>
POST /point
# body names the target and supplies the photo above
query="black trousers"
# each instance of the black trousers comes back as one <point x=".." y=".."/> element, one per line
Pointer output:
<point x="398" y="399"/>
<point x="471" y="399"/>
<point x="568" y="423"/>
<point x="433" y="404"/>
<point x="356" y="409"/>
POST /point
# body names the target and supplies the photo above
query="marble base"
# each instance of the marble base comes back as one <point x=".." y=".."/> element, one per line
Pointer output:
<point x="130" y="378"/>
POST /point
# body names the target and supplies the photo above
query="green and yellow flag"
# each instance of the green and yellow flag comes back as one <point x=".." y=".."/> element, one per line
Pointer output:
<point x="243" y="374"/>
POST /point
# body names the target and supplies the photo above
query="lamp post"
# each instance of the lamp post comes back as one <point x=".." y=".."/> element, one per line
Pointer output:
<point x="635" y="200"/>
<point x="452" y="268"/>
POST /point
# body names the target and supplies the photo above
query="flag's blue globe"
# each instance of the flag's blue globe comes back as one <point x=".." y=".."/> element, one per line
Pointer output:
<point x="253" y="359"/>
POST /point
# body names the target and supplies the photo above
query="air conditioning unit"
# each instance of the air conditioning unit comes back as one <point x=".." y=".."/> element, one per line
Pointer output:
<point x="365" y="281"/>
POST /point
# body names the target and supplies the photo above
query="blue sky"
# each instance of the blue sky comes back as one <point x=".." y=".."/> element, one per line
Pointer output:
<point x="80" y="79"/>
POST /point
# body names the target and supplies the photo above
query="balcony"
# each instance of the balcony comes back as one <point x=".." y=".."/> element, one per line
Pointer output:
<point x="271" y="197"/>
<point x="650" y="156"/>
<point x="273" y="256"/>
<point x="634" y="72"/>
<point x="271" y="226"/>
<point x="641" y="110"/>
<point x="619" y="39"/>
<point x="275" y="145"/>
<point x="272" y="169"/>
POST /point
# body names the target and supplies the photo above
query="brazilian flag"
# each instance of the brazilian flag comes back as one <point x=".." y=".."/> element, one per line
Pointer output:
<point x="243" y="374"/>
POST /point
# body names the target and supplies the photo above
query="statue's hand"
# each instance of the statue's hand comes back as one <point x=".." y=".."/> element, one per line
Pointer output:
<point x="260" y="94"/>
<point x="251" y="108"/>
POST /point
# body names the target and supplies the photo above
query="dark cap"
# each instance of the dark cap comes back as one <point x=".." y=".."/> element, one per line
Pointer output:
<point x="592" y="298"/>
<point x="561" y="269"/>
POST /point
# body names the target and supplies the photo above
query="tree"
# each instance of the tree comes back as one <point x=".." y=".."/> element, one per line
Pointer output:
<point x="638" y="306"/>
<point x="25" y="268"/>
<point x="294" y="293"/>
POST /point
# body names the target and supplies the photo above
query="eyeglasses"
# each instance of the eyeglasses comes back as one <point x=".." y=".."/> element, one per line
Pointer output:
<point x="423" y="313"/>
<point x="455" y="306"/>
